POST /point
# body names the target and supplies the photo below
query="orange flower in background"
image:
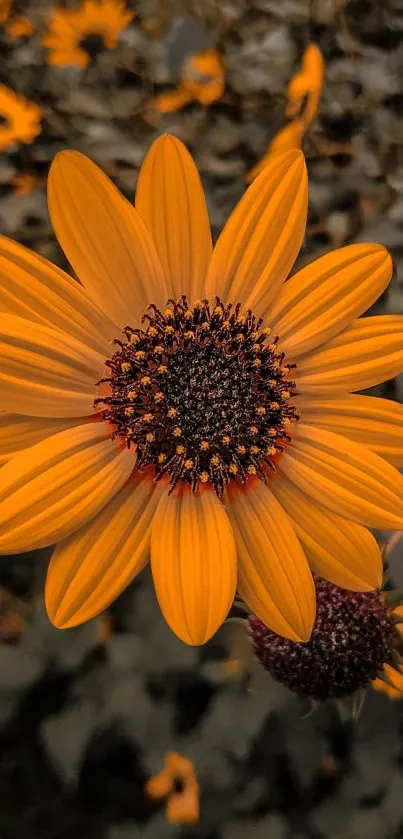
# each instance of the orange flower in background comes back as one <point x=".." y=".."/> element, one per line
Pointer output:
<point x="202" y="80"/>
<point x="303" y="98"/>
<point x="20" y="27"/>
<point x="22" y="119"/>
<point x="75" y="34"/>
<point x="305" y="88"/>
<point x="25" y="183"/>
<point x="216" y="434"/>
<point x="178" y="783"/>
<point x="5" y="6"/>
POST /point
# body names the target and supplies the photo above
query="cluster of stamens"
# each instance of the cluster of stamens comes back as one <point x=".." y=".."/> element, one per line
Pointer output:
<point x="201" y="393"/>
<point x="353" y="637"/>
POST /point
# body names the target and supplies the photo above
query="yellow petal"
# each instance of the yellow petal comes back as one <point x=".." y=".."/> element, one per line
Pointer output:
<point x="104" y="238"/>
<point x="58" y="485"/>
<point x="376" y="423"/>
<point x="366" y="353"/>
<point x="325" y="296"/>
<point x="170" y="199"/>
<point x="338" y="550"/>
<point x="262" y="237"/>
<point x="193" y="561"/>
<point x="44" y="372"/>
<point x="274" y="576"/>
<point x="33" y="288"/>
<point x="93" y="566"/>
<point x="346" y="478"/>
<point x="19" y="432"/>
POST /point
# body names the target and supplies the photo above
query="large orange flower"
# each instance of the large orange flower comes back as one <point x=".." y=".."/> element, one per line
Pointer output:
<point x="222" y="436"/>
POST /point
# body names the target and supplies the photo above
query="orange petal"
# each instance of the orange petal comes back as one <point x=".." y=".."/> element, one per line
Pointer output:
<point x="344" y="477"/>
<point x="376" y="423"/>
<point x="274" y="576"/>
<point x="210" y="92"/>
<point x="381" y="686"/>
<point x="366" y="353"/>
<point x="172" y="100"/>
<point x="193" y="561"/>
<point x="289" y="137"/>
<point x="325" y="296"/>
<point x="44" y="372"/>
<point x="19" y="432"/>
<point x="104" y="239"/>
<point x="32" y="288"/>
<point x="170" y="199"/>
<point x="263" y="235"/>
<point x="338" y="550"/>
<point x="183" y="807"/>
<point x="395" y="676"/>
<point x="160" y="785"/>
<point x="93" y="566"/>
<point x="58" y="485"/>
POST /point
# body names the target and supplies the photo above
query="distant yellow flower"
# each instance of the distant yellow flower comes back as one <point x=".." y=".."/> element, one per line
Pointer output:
<point x="19" y="27"/>
<point x="303" y="98"/>
<point x="74" y="34"/>
<point x="22" y="119"/>
<point x="177" y="783"/>
<point x="202" y="80"/>
<point x="192" y="406"/>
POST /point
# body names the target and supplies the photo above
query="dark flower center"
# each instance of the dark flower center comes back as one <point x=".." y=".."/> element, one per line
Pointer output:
<point x="353" y="637"/>
<point x="201" y="393"/>
<point x="93" y="44"/>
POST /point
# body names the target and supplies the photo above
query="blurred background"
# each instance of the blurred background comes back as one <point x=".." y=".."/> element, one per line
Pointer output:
<point x="88" y="715"/>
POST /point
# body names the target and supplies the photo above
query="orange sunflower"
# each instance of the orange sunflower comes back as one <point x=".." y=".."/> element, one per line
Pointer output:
<point x="74" y="35"/>
<point x="202" y="80"/>
<point x="20" y="120"/>
<point x="185" y="404"/>
<point x="177" y="783"/>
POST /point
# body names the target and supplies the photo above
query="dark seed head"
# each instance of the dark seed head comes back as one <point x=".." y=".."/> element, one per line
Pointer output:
<point x="353" y="637"/>
<point x="93" y="44"/>
<point x="201" y="392"/>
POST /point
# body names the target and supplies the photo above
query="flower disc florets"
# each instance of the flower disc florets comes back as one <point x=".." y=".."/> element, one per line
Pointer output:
<point x="353" y="637"/>
<point x="201" y="393"/>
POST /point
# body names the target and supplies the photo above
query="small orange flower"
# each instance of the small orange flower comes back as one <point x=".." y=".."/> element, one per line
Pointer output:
<point x="202" y="80"/>
<point x="22" y="118"/>
<point x="19" y="27"/>
<point x="305" y="88"/>
<point x="74" y="34"/>
<point x="178" y="784"/>
<point x="303" y="98"/>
